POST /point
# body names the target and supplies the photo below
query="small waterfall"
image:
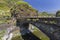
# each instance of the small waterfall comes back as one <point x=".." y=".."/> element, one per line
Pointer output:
<point x="8" y="35"/>
<point x="31" y="28"/>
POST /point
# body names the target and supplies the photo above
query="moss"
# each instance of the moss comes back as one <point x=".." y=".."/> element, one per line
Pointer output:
<point x="21" y="2"/>
<point x="16" y="38"/>
<point x="3" y="6"/>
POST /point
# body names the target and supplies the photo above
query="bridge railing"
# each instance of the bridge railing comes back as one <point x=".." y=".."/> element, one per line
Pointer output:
<point x="37" y="16"/>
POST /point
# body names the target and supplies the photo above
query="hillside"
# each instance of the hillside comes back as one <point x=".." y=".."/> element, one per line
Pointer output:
<point x="23" y="9"/>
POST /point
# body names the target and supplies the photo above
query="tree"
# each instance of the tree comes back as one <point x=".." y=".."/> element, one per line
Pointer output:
<point x="44" y="14"/>
<point x="58" y="14"/>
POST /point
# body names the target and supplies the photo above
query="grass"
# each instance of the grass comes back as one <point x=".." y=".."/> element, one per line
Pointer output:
<point x="21" y="2"/>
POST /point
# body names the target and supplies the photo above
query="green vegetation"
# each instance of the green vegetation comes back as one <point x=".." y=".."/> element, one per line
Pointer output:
<point x="16" y="38"/>
<point x="5" y="6"/>
<point x="40" y="34"/>
<point x="16" y="35"/>
<point x="4" y="16"/>
<point x="58" y="14"/>
<point x="2" y="34"/>
<point x="23" y="9"/>
<point x="45" y="14"/>
<point x="21" y="2"/>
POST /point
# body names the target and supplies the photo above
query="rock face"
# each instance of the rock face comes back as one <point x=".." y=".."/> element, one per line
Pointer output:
<point x="22" y="10"/>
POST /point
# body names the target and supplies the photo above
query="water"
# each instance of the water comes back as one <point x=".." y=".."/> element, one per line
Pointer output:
<point x="8" y="35"/>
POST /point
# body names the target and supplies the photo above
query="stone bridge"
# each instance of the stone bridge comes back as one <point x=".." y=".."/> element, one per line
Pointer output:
<point x="51" y="30"/>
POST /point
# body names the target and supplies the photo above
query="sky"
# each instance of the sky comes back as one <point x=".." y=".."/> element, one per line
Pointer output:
<point x="45" y="5"/>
